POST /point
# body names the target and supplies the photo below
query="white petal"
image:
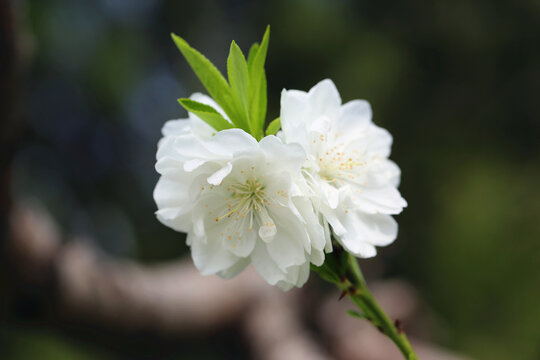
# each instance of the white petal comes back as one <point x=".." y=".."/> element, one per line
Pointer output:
<point x="317" y="257"/>
<point x="223" y="224"/>
<point x="382" y="229"/>
<point x="168" y="193"/>
<point x="303" y="275"/>
<point x="392" y="172"/>
<point x="198" y="228"/>
<point x="174" y="209"/>
<point x="383" y="200"/>
<point x="360" y="249"/>
<point x="209" y="257"/>
<point x="328" y="236"/>
<point x="237" y="238"/>
<point x="379" y="141"/>
<point x="175" y="218"/>
<point x="217" y="177"/>
<point x="265" y="265"/>
<point x="231" y="142"/>
<point x="166" y="147"/>
<point x="289" y="157"/>
<point x="170" y="167"/>
<point x="320" y="126"/>
<point x="354" y="119"/>
<point x="193" y="164"/>
<point x="324" y="99"/>
<point x="284" y="285"/>
<point x="365" y="231"/>
<point x="331" y="194"/>
<point x="286" y="248"/>
<point x="242" y="244"/>
<point x="334" y="221"/>
<point x="293" y="115"/>
<point x="316" y="235"/>
<point x="200" y="128"/>
<point x="188" y="147"/>
<point x="176" y="127"/>
<point x="297" y="276"/>
<point x="236" y="269"/>
<point x="286" y="251"/>
<point x="267" y="232"/>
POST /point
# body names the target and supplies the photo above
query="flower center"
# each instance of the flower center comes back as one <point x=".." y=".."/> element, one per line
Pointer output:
<point x="251" y="191"/>
<point x="248" y="200"/>
<point x="244" y="198"/>
<point x="338" y="166"/>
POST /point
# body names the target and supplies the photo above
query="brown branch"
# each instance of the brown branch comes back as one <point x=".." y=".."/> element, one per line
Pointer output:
<point x="93" y="288"/>
<point x="276" y="331"/>
<point x="174" y="299"/>
<point x="87" y="287"/>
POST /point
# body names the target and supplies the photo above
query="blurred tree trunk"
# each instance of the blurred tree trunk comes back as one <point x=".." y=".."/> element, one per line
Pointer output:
<point x="9" y="105"/>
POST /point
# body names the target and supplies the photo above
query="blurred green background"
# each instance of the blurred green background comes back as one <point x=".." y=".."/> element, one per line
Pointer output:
<point x="457" y="83"/>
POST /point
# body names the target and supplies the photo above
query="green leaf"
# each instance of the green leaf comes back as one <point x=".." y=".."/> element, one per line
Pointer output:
<point x="210" y="77"/>
<point x="257" y="99"/>
<point x="258" y="52"/>
<point x="239" y="78"/>
<point x="273" y="127"/>
<point x="356" y="314"/>
<point x="207" y="113"/>
<point x="258" y="105"/>
<point x="252" y="52"/>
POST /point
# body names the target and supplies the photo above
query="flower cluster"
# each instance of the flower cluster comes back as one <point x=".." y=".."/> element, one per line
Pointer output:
<point x="274" y="201"/>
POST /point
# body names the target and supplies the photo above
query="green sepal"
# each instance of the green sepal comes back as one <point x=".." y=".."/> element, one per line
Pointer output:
<point x="206" y="113"/>
<point x="273" y="127"/>
<point x="237" y="70"/>
<point x="210" y="77"/>
<point x="337" y="260"/>
<point x="326" y="273"/>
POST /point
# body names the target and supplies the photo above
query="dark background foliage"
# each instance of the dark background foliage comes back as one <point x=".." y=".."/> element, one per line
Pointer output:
<point x="457" y="83"/>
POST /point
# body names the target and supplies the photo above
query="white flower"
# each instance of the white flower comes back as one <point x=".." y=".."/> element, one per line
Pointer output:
<point x="350" y="178"/>
<point x="237" y="200"/>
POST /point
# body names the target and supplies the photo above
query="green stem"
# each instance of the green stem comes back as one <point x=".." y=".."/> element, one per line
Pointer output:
<point x="358" y="277"/>
<point x="365" y="301"/>
<point x="353" y="284"/>
<point x="363" y="298"/>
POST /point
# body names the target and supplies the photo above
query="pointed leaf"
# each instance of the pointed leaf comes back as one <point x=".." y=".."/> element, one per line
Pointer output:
<point x="257" y="76"/>
<point x="260" y="56"/>
<point x="258" y="106"/>
<point x="239" y="78"/>
<point x="273" y="127"/>
<point x="206" y="113"/>
<point x="252" y="52"/>
<point x="210" y="77"/>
